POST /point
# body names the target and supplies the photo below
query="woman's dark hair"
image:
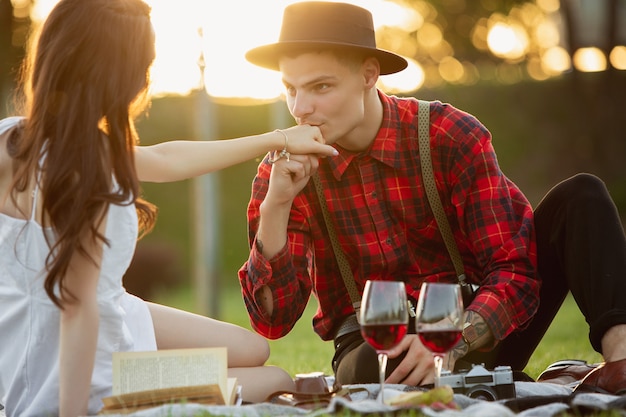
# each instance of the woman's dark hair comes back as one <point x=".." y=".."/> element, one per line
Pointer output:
<point x="82" y="80"/>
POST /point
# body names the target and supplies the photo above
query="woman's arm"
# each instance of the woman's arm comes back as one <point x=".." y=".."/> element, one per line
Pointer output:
<point x="79" y="331"/>
<point x="179" y="160"/>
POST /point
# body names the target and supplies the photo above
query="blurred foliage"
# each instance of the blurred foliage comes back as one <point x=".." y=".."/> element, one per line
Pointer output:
<point x="14" y="28"/>
<point x="455" y="19"/>
<point x="505" y="41"/>
<point x="448" y="39"/>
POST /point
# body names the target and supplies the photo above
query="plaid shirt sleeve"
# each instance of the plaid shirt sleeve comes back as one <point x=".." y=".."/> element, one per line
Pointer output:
<point x="290" y="289"/>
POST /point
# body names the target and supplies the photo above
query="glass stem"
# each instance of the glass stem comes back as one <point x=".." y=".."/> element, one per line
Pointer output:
<point x="438" y="366"/>
<point x="382" y="368"/>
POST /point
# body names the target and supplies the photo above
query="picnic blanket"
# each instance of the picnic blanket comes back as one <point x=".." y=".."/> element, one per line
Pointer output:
<point x="533" y="399"/>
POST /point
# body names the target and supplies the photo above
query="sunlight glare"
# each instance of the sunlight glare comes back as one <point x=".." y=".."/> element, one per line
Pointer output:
<point x="228" y="34"/>
<point x="229" y="29"/>
<point x="183" y="47"/>
<point x="41" y="9"/>
<point x="222" y="32"/>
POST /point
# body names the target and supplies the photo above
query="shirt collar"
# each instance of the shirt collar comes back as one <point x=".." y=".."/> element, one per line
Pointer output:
<point x="384" y="148"/>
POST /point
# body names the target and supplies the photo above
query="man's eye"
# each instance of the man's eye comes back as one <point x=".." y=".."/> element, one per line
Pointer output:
<point x="322" y="87"/>
<point x="290" y="91"/>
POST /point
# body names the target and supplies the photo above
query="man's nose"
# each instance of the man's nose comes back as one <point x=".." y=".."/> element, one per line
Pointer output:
<point x="301" y="106"/>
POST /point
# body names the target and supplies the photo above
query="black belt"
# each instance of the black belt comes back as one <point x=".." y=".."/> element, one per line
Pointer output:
<point x="349" y="325"/>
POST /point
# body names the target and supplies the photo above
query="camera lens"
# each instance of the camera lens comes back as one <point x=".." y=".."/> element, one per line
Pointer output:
<point x="482" y="392"/>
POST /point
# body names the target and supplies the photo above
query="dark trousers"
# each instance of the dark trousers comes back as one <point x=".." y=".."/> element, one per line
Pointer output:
<point x="581" y="247"/>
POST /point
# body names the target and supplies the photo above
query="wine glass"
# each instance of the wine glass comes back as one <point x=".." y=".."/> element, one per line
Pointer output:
<point x="439" y="319"/>
<point x="383" y="318"/>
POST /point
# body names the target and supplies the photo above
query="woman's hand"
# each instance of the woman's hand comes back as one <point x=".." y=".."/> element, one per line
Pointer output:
<point x="307" y="140"/>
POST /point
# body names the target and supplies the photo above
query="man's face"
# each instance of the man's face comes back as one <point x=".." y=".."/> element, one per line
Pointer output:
<point x="324" y="92"/>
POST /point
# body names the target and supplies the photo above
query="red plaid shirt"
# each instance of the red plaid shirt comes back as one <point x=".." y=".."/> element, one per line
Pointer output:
<point x="387" y="230"/>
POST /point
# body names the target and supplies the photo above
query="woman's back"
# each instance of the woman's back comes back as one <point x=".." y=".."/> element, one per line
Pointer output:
<point x="28" y="318"/>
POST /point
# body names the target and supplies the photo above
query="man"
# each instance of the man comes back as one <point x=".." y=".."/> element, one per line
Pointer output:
<point x="378" y="208"/>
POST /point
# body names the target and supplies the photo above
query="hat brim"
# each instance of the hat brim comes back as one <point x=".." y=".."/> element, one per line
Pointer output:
<point x="267" y="56"/>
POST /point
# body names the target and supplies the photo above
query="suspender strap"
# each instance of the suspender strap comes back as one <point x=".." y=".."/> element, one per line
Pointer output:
<point x="342" y="262"/>
<point x="423" y="131"/>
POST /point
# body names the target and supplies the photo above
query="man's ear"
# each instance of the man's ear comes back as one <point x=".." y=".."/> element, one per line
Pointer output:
<point x="371" y="71"/>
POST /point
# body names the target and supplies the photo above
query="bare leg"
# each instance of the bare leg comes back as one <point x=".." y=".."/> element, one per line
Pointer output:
<point x="247" y="351"/>
<point x="258" y="383"/>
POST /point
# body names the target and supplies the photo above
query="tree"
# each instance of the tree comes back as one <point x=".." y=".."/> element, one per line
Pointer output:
<point x="15" y="25"/>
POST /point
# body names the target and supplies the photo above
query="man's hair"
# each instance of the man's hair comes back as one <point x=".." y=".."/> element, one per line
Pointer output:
<point x="83" y="74"/>
<point x="345" y="56"/>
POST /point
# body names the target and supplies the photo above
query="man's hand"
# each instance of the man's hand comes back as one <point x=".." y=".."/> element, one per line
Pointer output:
<point x="289" y="177"/>
<point x="417" y="367"/>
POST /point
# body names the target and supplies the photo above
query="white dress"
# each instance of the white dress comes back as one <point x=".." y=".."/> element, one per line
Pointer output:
<point x="29" y="321"/>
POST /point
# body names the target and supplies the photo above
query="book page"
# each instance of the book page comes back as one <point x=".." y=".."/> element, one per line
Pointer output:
<point x="202" y="394"/>
<point x="143" y="371"/>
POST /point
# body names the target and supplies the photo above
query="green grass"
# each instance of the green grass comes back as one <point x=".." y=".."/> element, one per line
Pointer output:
<point x="302" y="351"/>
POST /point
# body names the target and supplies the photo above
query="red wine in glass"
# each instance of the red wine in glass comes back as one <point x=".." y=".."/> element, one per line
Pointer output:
<point x="383" y="318"/>
<point x="439" y="341"/>
<point x="383" y="336"/>
<point x="439" y="320"/>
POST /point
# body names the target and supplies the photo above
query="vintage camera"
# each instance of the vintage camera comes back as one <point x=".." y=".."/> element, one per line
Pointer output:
<point x="482" y="384"/>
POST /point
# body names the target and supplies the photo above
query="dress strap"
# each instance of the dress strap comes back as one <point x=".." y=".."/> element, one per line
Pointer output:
<point x="8" y="122"/>
<point x="35" y="193"/>
<point x="38" y="180"/>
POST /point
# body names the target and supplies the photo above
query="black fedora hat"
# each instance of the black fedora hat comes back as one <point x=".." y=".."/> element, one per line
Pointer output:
<point x="322" y="25"/>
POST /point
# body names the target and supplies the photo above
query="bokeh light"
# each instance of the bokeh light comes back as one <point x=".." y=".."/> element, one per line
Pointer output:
<point x="409" y="80"/>
<point x="555" y="60"/>
<point x="618" y="57"/>
<point x="590" y="59"/>
<point x="507" y="40"/>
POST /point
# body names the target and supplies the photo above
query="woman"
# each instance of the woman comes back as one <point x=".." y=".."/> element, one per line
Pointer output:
<point x="70" y="214"/>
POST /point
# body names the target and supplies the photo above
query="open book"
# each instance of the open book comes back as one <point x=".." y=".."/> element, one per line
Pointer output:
<point x="148" y="379"/>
